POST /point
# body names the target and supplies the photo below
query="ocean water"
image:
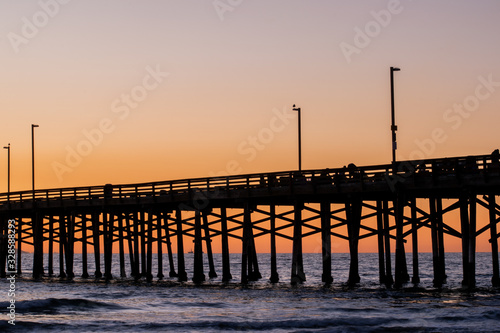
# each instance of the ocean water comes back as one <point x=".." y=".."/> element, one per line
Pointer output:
<point x="168" y="306"/>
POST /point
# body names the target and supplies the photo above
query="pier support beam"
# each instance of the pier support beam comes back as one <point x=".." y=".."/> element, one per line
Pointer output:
<point x="387" y="237"/>
<point x="274" y="267"/>
<point x="198" y="275"/>
<point x="472" y="241"/>
<point x="130" y="245"/>
<point x="298" y="275"/>
<point x="326" y="241"/>
<point x="442" y="262"/>
<point x="143" y="240"/>
<point x="159" y="243"/>
<point x="436" y="215"/>
<point x="149" y="235"/>
<point x="121" y="245"/>
<point x="464" y="228"/>
<point x="172" y="272"/>
<point x="253" y="268"/>
<point x="353" y="214"/>
<point x="62" y="245"/>
<point x="85" y="273"/>
<point x="137" y="240"/>
<point x="37" y="227"/>
<point x="380" y="242"/>
<point x="51" y="246"/>
<point x="226" y="269"/>
<point x="208" y="241"/>
<point x="249" y="265"/>
<point x="180" y="248"/>
<point x="107" y="221"/>
<point x="70" y="246"/>
<point x="414" y="234"/>
<point x="495" y="280"/>
<point x="133" y="270"/>
<point x="245" y="245"/>
<point x="400" y="267"/>
<point x="97" y="248"/>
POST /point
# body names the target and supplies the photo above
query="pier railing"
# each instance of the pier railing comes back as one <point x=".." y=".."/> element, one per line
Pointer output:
<point x="401" y="172"/>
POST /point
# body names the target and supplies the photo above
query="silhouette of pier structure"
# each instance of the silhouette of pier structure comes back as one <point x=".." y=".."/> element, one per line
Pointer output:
<point x="388" y="202"/>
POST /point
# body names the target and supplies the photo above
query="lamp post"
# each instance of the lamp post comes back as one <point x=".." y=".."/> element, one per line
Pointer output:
<point x="33" y="158"/>
<point x="394" y="128"/>
<point x="300" y="144"/>
<point x="8" y="169"/>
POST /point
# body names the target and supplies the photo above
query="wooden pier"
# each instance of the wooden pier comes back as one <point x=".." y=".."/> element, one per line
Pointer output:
<point x="389" y="202"/>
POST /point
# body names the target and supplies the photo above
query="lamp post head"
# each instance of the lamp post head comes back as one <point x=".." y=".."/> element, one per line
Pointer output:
<point x="8" y="146"/>
<point x="395" y="69"/>
<point x="32" y="125"/>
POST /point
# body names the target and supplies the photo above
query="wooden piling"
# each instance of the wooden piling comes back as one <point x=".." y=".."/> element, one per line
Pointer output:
<point x="70" y="246"/>
<point x="380" y="242"/>
<point x="166" y="223"/>
<point x="159" y="243"/>
<point x="62" y="245"/>
<point x="149" y="260"/>
<point x="298" y="275"/>
<point x="137" y="243"/>
<point x="130" y="243"/>
<point x="353" y="214"/>
<point x="180" y="248"/>
<point x="107" y="222"/>
<point x="245" y="245"/>
<point x="143" y="242"/>
<point x="326" y="241"/>
<point x="388" y="267"/>
<point x="121" y="245"/>
<point x="414" y="233"/>
<point x="464" y="228"/>
<point x="249" y="264"/>
<point x="85" y="273"/>
<point x="208" y="241"/>
<point x="198" y="275"/>
<point x="400" y="268"/>
<point x="436" y="259"/>
<point x="51" y="247"/>
<point x="226" y="266"/>
<point x="495" y="280"/>
<point x="97" y="247"/>
<point x="37" y="227"/>
<point x="440" y="230"/>
<point x="254" y="272"/>
<point x="274" y="267"/>
<point x="62" y="242"/>
<point x="472" y="241"/>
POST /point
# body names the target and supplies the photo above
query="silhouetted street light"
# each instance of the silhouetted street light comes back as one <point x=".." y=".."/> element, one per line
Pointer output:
<point x="300" y="144"/>
<point x="33" y="158"/>
<point x="394" y="128"/>
<point x="8" y="169"/>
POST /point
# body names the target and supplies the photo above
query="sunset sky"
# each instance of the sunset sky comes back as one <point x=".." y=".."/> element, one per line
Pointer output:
<point x="136" y="91"/>
<point x="224" y="70"/>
